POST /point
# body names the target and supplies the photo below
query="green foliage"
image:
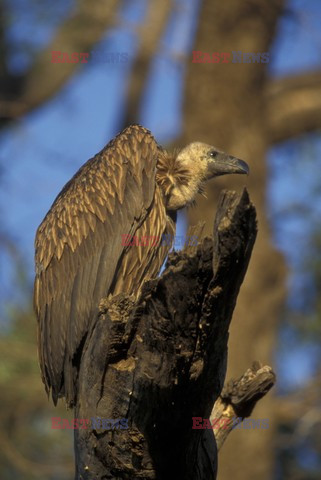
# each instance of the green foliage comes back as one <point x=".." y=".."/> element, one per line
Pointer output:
<point x="29" y="447"/>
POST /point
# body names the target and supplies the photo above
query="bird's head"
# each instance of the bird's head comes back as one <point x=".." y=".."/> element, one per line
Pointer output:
<point x="192" y="167"/>
<point x="206" y="162"/>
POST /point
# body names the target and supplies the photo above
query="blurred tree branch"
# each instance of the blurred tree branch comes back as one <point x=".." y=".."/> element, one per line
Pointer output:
<point x="79" y="33"/>
<point x="149" y="38"/>
<point x="293" y="105"/>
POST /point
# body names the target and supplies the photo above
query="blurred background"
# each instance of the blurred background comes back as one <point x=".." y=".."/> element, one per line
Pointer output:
<point x="54" y="116"/>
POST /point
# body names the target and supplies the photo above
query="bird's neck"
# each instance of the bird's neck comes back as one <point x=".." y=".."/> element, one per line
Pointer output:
<point x="181" y="196"/>
<point x="177" y="183"/>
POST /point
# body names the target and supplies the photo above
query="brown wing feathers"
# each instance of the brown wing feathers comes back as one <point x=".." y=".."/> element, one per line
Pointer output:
<point x="78" y="247"/>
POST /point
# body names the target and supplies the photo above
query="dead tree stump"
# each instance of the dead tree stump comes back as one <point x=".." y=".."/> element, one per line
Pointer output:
<point x="160" y="361"/>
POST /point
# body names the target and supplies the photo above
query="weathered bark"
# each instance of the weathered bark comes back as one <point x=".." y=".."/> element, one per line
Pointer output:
<point x="238" y="399"/>
<point x="162" y="360"/>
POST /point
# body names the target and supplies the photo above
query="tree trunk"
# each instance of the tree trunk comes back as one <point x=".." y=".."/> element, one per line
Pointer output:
<point x="156" y="363"/>
<point x="225" y="107"/>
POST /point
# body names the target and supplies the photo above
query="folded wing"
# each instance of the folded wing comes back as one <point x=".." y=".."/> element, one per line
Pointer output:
<point x="78" y="247"/>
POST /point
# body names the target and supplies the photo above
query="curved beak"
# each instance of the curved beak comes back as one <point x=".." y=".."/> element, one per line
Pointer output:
<point x="224" y="164"/>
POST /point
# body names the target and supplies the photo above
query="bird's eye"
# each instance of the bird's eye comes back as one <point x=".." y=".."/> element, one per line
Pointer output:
<point x="213" y="154"/>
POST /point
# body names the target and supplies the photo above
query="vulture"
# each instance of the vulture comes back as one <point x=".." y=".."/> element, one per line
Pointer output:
<point x="132" y="187"/>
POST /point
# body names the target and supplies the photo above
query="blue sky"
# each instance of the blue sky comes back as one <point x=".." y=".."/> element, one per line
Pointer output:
<point x="40" y="153"/>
